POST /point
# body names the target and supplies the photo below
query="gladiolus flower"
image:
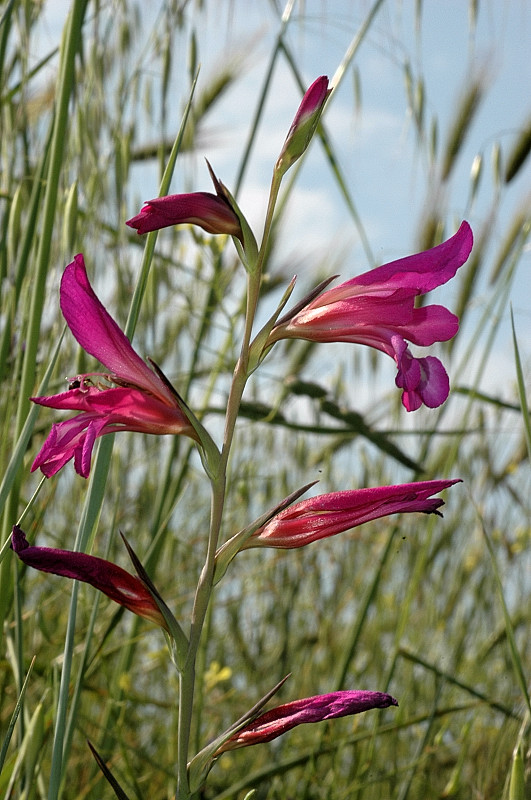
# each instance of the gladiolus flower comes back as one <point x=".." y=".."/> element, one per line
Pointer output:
<point x="122" y="587"/>
<point x="310" y="709"/>
<point x="330" y="514"/>
<point x="304" y="123"/>
<point x="141" y="399"/>
<point x="212" y="212"/>
<point x="378" y="309"/>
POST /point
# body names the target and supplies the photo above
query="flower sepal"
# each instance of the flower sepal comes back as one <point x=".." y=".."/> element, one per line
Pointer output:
<point x="245" y="242"/>
<point x="228" y="550"/>
<point x="208" y="451"/>
<point x="109" y="777"/>
<point x="202" y="763"/>
<point x="258" y="349"/>
<point x="175" y="636"/>
<point x="263" y="342"/>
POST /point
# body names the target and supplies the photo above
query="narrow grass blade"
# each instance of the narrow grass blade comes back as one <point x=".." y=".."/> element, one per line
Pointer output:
<point x="28" y="753"/>
<point x="118" y="791"/>
<point x="521" y="390"/>
<point x="22" y="443"/>
<point x="515" y="655"/>
<point x="14" y="716"/>
<point x="517" y="780"/>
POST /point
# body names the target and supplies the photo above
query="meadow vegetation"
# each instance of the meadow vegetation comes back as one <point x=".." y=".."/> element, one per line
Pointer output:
<point x="434" y="611"/>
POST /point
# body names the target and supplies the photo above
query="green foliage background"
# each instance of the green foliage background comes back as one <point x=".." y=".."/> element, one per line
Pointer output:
<point x="434" y="611"/>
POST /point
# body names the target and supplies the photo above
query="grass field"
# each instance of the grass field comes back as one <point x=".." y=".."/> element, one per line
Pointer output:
<point x="434" y="611"/>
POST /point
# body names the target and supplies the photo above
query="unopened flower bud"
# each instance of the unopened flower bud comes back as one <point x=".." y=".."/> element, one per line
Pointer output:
<point x="304" y="124"/>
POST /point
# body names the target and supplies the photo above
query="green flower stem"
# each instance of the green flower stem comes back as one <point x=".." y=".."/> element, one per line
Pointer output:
<point x="218" y="484"/>
<point x="239" y="381"/>
<point x="54" y="161"/>
<point x="202" y="598"/>
<point x="69" y="49"/>
<point x="273" y="195"/>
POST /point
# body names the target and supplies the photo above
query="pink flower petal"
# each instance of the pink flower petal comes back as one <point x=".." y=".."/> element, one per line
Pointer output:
<point x="211" y="212"/>
<point x="377" y="309"/>
<point x="283" y="718"/>
<point x="98" y="334"/>
<point x="329" y="514"/>
<point x="424" y="271"/>
<point x="424" y="380"/>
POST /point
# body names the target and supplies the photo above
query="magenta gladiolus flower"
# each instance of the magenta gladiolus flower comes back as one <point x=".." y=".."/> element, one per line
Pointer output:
<point x="304" y="123"/>
<point x="378" y="309"/>
<point x="212" y="212"/>
<point x="140" y="400"/>
<point x="311" y="709"/>
<point x="122" y="587"/>
<point x="330" y="514"/>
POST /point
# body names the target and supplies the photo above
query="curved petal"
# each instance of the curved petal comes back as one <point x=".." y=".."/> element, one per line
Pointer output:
<point x="83" y="453"/>
<point x="434" y="385"/>
<point x="430" y="324"/>
<point x="424" y="380"/>
<point x="424" y="271"/>
<point x="67" y="440"/>
<point x="211" y="212"/>
<point x="98" y="334"/>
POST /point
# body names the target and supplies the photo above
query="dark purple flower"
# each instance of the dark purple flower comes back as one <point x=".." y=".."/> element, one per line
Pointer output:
<point x="122" y="587"/>
<point x="311" y="709"/>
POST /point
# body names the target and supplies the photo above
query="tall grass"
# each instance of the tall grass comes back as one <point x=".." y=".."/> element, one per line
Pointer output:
<point x="434" y="611"/>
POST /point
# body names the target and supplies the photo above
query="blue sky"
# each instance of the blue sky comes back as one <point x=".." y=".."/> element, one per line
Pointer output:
<point x="383" y="162"/>
<point x="380" y="155"/>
